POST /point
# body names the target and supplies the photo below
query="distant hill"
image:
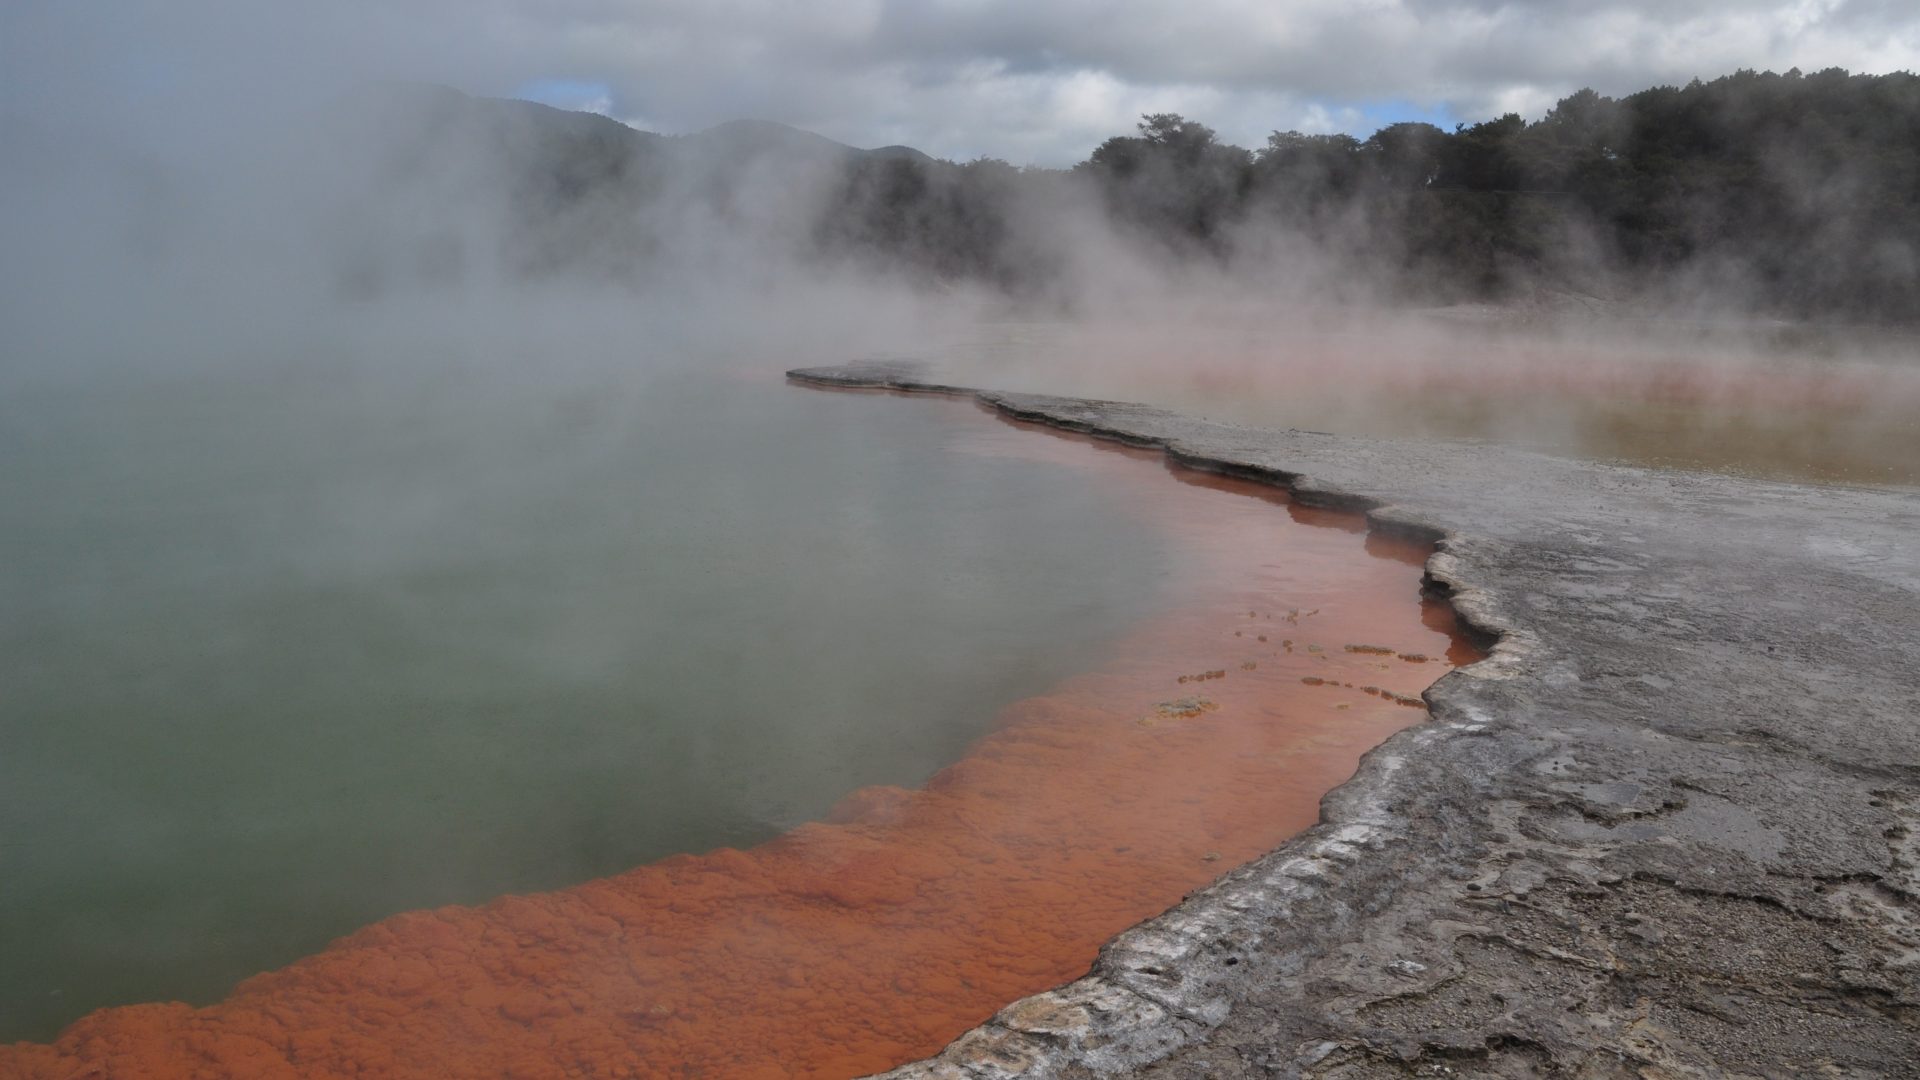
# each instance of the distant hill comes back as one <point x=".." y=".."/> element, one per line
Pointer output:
<point x="412" y="122"/>
<point x="1788" y="195"/>
<point x="1791" y="195"/>
<point x="764" y="137"/>
<point x="440" y="183"/>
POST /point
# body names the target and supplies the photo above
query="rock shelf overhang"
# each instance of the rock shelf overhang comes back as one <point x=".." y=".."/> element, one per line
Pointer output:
<point x="1671" y="822"/>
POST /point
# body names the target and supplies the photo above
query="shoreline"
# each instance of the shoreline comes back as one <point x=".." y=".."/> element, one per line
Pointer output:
<point x="1668" y="824"/>
<point x="903" y="916"/>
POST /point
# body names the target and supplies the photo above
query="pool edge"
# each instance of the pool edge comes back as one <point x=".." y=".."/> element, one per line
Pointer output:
<point x="1436" y="821"/>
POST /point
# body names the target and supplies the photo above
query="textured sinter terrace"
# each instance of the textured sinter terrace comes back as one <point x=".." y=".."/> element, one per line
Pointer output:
<point x="1666" y="829"/>
<point x="857" y="944"/>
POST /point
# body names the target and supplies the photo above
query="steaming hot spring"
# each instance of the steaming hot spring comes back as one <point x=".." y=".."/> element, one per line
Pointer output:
<point x="1792" y="403"/>
<point x="672" y="725"/>
<point x="668" y="723"/>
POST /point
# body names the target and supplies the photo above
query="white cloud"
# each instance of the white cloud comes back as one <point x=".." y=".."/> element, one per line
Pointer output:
<point x="1027" y="81"/>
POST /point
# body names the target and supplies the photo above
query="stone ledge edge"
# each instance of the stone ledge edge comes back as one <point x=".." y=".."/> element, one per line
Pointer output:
<point x="1165" y="983"/>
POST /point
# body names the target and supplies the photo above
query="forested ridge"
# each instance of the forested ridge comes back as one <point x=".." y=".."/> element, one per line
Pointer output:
<point x="1786" y="195"/>
<point x="1796" y="195"/>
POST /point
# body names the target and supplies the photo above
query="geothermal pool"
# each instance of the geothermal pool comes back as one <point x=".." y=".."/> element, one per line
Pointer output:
<point x="806" y="728"/>
<point x="279" y="661"/>
<point x="1824" y="412"/>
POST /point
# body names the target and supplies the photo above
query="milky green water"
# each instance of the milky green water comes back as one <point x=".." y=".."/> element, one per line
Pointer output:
<point x="284" y="654"/>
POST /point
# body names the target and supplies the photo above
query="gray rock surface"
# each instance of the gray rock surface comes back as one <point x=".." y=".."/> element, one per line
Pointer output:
<point x="1669" y="828"/>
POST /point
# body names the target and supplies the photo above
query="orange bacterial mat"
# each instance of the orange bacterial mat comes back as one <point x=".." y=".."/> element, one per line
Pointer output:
<point x="1292" y="643"/>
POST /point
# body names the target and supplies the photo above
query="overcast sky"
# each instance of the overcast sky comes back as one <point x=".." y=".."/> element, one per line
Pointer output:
<point x="1032" y="81"/>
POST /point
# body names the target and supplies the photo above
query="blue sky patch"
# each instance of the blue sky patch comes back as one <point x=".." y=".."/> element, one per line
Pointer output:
<point x="574" y="95"/>
<point x="1375" y="115"/>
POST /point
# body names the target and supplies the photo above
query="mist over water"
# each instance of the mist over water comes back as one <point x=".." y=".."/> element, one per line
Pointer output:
<point x="284" y="656"/>
<point x="401" y="507"/>
<point x="1757" y="400"/>
<point x="404" y="212"/>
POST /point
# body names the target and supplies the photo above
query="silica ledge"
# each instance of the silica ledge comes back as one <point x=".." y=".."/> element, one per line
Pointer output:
<point x="1670" y="825"/>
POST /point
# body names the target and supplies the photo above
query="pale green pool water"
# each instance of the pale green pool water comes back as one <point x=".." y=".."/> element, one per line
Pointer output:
<point x="281" y="655"/>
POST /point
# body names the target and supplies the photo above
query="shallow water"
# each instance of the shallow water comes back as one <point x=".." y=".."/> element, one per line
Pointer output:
<point x="1667" y="399"/>
<point x="1284" y="644"/>
<point x="279" y="658"/>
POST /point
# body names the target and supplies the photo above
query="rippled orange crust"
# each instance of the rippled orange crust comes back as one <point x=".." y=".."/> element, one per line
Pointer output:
<point x="872" y="939"/>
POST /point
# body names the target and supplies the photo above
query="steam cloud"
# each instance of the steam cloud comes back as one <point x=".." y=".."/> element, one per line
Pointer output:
<point x="1324" y="280"/>
<point x="221" y="191"/>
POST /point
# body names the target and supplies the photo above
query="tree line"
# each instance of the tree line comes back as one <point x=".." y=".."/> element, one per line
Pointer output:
<point x="1792" y="194"/>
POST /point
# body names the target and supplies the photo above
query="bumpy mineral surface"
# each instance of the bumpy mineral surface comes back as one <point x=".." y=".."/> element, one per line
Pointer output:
<point x="1670" y="827"/>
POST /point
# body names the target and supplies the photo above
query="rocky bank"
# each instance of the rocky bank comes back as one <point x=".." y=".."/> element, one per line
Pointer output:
<point x="1669" y="828"/>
